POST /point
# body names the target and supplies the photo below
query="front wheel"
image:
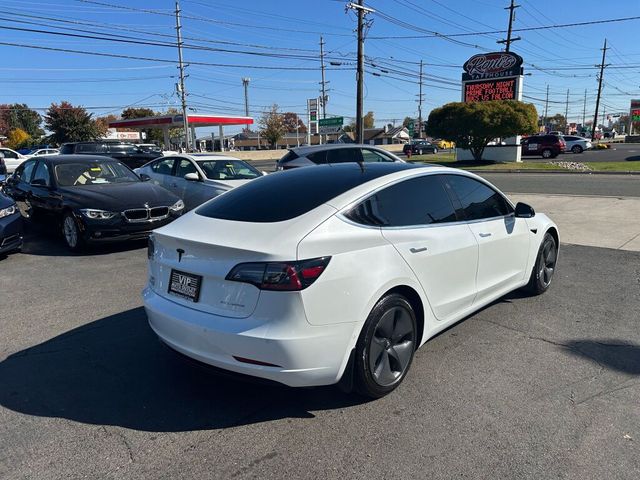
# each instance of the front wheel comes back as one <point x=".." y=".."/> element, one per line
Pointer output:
<point x="545" y="266"/>
<point x="385" y="349"/>
<point x="419" y="152"/>
<point x="576" y="149"/>
<point x="71" y="232"/>
<point x="435" y="150"/>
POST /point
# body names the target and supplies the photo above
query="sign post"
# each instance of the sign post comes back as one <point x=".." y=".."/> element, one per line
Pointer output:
<point x="634" y="115"/>
<point x="312" y="118"/>
<point x="494" y="76"/>
<point x="330" y="125"/>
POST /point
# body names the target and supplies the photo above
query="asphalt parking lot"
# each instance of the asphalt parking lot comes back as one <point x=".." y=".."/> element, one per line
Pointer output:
<point x="543" y="387"/>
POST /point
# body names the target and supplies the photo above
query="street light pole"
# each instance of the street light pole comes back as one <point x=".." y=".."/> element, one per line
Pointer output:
<point x="595" y="116"/>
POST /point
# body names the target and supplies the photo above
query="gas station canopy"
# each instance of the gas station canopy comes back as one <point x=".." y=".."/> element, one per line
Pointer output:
<point x="165" y="122"/>
<point x="173" y="121"/>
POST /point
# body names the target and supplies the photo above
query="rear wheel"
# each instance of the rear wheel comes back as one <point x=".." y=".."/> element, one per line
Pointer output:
<point x="576" y="149"/>
<point x="71" y="232"/>
<point x="547" y="153"/>
<point x="420" y="152"/>
<point x="545" y="266"/>
<point x="435" y="150"/>
<point x="385" y="349"/>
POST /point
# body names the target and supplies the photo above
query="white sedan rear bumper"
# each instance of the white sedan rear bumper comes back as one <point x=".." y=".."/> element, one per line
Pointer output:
<point x="303" y="355"/>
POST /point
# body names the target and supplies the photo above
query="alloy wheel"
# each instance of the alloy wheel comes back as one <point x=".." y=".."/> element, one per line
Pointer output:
<point x="392" y="346"/>
<point x="547" y="264"/>
<point x="70" y="231"/>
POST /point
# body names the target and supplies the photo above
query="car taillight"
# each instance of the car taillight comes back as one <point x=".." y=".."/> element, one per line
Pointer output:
<point x="282" y="276"/>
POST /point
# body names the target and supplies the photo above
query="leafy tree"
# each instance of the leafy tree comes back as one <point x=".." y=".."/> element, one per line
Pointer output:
<point x="103" y="122"/>
<point x="557" y="122"/>
<point x="407" y="121"/>
<point x="153" y="134"/>
<point x="19" y="115"/>
<point x="272" y="125"/>
<point x="291" y="120"/>
<point x="70" y="124"/>
<point x="16" y="138"/>
<point x="367" y="120"/>
<point x="473" y="125"/>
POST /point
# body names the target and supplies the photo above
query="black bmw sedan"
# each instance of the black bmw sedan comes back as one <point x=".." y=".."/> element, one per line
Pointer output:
<point x="10" y="226"/>
<point x="93" y="198"/>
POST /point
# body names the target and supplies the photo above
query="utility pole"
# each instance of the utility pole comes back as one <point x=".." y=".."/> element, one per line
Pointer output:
<point x="362" y="11"/>
<point x="509" y="39"/>
<point x="595" y="116"/>
<point x="420" y="104"/>
<point x="245" y="84"/>
<point x="322" y="83"/>
<point x="183" y="94"/>
<point x="584" y="108"/>
<point x="566" y="114"/>
<point x="546" y="110"/>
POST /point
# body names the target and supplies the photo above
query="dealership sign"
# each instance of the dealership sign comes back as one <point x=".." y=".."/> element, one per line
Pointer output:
<point x="492" y="76"/>
<point x="492" y="65"/>
<point x="635" y="110"/>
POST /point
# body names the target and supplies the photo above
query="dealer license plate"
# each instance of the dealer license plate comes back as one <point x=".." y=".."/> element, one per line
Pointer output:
<point x="185" y="285"/>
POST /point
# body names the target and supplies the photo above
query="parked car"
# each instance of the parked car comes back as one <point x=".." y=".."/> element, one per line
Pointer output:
<point x="306" y="156"/>
<point x="38" y="152"/>
<point x="547" y="146"/>
<point x="419" y="147"/>
<point x="93" y="198"/>
<point x="443" y="144"/>
<point x="10" y="225"/>
<point x="128" y="153"/>
<point x="150" y="148"/>
<point x="576" y="144"/>
<point x="340" y="272"/>
<point x="196" y="178"/>
<point x="11" y="158"/>
<point x="3" y="169"/>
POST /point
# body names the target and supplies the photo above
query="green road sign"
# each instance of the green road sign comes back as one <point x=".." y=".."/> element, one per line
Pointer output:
<point x="330" y="125"/>
<point x="411" y="128"/>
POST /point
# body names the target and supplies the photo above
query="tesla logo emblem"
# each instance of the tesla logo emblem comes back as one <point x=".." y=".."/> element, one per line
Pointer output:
<point x="180" y="253"/>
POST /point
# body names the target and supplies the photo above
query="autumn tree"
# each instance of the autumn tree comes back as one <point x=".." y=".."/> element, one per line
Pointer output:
<point x="291" y="120"/>
<point x="152" y="134"/>
<point x="103" y="123"/>
<point x="20" y="116"/>
<point x="473" y="125"/>
<point x="16" y="138"/>
<point x="368" y="121"/>
<point x="70" y="124"/>
<point x="272" y="126"/>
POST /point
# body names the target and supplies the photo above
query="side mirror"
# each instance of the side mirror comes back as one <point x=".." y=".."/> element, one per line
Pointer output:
<point x="144" y="177"/>
<point x="524" y="211"/>
<point x="192" y="177"/>
<point x="39" y="182"/>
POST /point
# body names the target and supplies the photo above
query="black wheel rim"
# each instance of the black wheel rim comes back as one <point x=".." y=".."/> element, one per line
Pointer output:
<point x="391" y="346"/>
<point x="547" y="265"/>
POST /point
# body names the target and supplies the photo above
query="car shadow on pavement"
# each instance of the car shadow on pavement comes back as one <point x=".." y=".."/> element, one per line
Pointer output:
<point x="114" y="371"/>
<point x="613" y="354"/>
<point x="44" y="238"/>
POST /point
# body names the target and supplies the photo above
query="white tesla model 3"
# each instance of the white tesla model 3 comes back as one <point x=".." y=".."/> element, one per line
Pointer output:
<point x="338" y="273"/>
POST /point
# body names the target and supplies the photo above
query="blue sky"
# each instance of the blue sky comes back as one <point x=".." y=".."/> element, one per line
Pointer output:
<point x="289" y="31"/>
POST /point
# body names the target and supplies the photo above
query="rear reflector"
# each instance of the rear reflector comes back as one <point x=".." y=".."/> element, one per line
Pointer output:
<point x="255" y="362"/>
<point x="282" y="276"/>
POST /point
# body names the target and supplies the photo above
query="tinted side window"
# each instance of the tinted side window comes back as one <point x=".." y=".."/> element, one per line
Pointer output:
<point x="9" y="154"/>
<point x="163" y="167"/>
<point x="91" y="148"/>
<point x="344" y="155"/>
<point x="478" y="200"/>
<point x="185" y="166"/>
<point x="66" y="149"/>
<point x="290" y="155"/>
<point x="318" y="157"/>
<point x="42" y="173"/>
<point x="24" y="171"/>
<point x="373" y="156"/>
<point x="417" y="201"/>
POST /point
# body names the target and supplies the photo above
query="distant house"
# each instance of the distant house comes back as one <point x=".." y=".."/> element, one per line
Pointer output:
<point x="385" y="135"/>
<point x="249" y="140"/>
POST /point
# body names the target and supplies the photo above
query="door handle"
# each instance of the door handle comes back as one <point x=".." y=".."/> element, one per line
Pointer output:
<point x="483" y="235"/>
<point x="418" y="250"/>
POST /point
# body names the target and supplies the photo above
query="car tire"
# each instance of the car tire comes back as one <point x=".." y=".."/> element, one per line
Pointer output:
<point x="544" y="267"/>
<point x="71" y="233"/>
<point x="435" y="150"/>
<point x="576" y="149"/>
<point x="420" y="152"/>
<point x="547" y="153"/>
<point x="385" y="348"/>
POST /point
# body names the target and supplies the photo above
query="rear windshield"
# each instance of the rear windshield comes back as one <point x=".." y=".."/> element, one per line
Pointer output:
<point x="291" y="193"/>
